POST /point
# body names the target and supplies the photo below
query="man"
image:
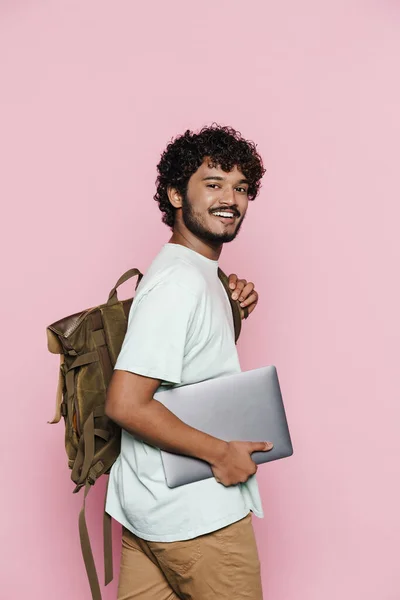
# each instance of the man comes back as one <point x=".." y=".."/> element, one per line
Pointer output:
<point x="195" y="541"/>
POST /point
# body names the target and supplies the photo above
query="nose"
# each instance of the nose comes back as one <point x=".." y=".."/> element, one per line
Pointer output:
<point x="228" y="196"/>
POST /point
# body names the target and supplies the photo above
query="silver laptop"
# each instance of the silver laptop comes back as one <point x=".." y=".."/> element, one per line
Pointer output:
<point x="246" y="406"/>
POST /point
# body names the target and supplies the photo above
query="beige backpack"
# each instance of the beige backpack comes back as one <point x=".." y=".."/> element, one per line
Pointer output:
<point x="88" y="344"/>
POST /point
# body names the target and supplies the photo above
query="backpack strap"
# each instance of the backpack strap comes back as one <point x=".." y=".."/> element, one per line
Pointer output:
<point x="87" y="550"/>
<point x="113" y="323"/>
<point x="107" y="542"/>
<point x="83" y="469"/>
<point x="113" y="313"/>
<point x="237" y="317"/>
<point x="87" y="479"/>
<point x="113" y="298"/>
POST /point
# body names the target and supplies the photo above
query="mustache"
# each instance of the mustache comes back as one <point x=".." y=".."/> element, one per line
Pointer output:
<point x="224" y="208"/>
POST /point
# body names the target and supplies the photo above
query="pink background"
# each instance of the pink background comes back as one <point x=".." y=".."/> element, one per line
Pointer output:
<point x="90" y="94"/>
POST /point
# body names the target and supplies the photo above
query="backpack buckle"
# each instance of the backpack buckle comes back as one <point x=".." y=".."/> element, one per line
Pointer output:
<point x="95" y="472"/>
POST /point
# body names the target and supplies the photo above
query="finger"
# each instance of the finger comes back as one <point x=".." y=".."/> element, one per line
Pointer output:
<point x="260" y="446"/>
<point x="246" y="291"/>
<point x="222" y="483"/>
<point x="241" y="283"/>
<point x="252" y="299"/>
<point x="232" y="281"/>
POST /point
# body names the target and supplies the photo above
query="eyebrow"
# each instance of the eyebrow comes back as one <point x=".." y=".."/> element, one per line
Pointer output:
<point x="219" y="178"/>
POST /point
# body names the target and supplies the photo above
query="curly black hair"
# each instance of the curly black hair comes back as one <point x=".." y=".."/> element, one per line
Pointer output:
<point x="224" y="146"/>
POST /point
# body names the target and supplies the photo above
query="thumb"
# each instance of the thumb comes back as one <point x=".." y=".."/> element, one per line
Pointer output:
<point x="260" y="446"/>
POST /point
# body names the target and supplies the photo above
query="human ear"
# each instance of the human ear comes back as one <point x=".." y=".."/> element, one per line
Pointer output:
<point x="174" y="197"/>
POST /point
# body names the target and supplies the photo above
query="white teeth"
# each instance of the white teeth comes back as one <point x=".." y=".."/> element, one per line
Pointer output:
<point x="223" y="214"/>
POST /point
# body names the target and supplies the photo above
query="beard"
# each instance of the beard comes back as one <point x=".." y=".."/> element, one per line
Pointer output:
<point x="195" y="222"/>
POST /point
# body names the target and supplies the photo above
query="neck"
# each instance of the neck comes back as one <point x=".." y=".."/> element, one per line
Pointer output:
<point x="188" y="239"/>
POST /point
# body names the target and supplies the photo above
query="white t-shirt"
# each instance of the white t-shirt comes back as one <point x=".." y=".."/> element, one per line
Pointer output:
<point x="180" y="330"/>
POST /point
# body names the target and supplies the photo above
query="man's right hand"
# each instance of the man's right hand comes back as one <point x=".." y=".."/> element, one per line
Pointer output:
<point x="235" y="464"/>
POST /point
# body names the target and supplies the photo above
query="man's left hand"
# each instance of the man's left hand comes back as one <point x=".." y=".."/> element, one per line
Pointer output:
<point x="244" y="292"/>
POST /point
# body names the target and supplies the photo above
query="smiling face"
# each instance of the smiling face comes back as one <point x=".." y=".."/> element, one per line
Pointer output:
<point x="215" y="203"/>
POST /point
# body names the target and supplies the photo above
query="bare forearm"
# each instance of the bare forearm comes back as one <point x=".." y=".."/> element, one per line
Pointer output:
<point x="156" y="425"/>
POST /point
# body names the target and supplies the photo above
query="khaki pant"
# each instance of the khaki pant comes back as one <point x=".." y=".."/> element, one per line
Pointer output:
<point x="222" y="564"/>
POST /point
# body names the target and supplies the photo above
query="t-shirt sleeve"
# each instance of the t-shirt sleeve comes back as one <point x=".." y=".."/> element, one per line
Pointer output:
<point x="154" y="344"/>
